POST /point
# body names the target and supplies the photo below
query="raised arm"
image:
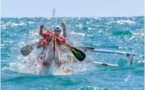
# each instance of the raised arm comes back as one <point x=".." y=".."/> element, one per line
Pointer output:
<point x="41" y="30"/>
<point x="64" y="29"/>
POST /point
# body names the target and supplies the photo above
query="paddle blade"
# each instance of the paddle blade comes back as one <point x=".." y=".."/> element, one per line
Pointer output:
<point x="78" y="54"/>
<point x="25" y="50"/>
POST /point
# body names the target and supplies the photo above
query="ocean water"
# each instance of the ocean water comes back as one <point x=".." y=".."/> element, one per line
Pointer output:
<point x="108" y="33"/>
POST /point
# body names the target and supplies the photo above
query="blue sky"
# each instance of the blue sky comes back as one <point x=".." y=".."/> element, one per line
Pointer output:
<point x="72" y="8"/>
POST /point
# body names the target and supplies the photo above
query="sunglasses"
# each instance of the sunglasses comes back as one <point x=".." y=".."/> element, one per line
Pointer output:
<point x="57" y="31"/>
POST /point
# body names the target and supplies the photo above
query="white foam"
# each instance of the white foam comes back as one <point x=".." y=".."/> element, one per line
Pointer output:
<point x="17" y="24"/>
<point x="31" y="22"/>
<point x="121" y="22"/>
<point x="80" y="26"/>
<point x="97" y="18"/>
<point x="87" y="22"/>
<point x="132" y="37"/>
<point x="128" y="77"/>
<point x="76" y="33"/>
<point x="3" y="27"/>
<point x="125" y="21"/>
<point x="138" y="34"/>
<point x="89" y="28"/>
<point x="2" y="45"/>
<point x="140" y="61"/>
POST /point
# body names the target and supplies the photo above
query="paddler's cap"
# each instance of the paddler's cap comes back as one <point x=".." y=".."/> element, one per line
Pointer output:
<point x="57" y="28"/>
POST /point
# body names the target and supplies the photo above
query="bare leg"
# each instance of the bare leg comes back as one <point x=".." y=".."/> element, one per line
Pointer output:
<point x="47" y="62"/>
<point x="57" y="61"/>
<point x="49" y="56"/>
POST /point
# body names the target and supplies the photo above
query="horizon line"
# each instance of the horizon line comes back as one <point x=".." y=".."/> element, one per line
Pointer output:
<point x="74" y="17"/>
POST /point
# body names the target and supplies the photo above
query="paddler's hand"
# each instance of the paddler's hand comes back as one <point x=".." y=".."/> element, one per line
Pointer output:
<point x="62" y="42"/>
<point x="63" y="24"/>
<point x="41" y="26"/>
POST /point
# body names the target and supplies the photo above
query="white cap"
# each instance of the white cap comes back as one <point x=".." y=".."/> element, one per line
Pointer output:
<point x="57" y="28"/>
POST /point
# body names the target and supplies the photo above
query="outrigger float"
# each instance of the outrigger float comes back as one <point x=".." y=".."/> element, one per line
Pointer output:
<point x="130" y="55"/>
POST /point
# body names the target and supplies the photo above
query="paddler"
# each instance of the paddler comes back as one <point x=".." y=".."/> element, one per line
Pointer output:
<point x="70" y="57"/>
<point x="47" y="38"/>
<point x="42" y="41"/>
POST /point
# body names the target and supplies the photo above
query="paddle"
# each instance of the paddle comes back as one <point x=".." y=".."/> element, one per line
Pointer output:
<point x="77" y="53"/>
<point x="26" y="50"/>
<point x="84" y="49"/>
